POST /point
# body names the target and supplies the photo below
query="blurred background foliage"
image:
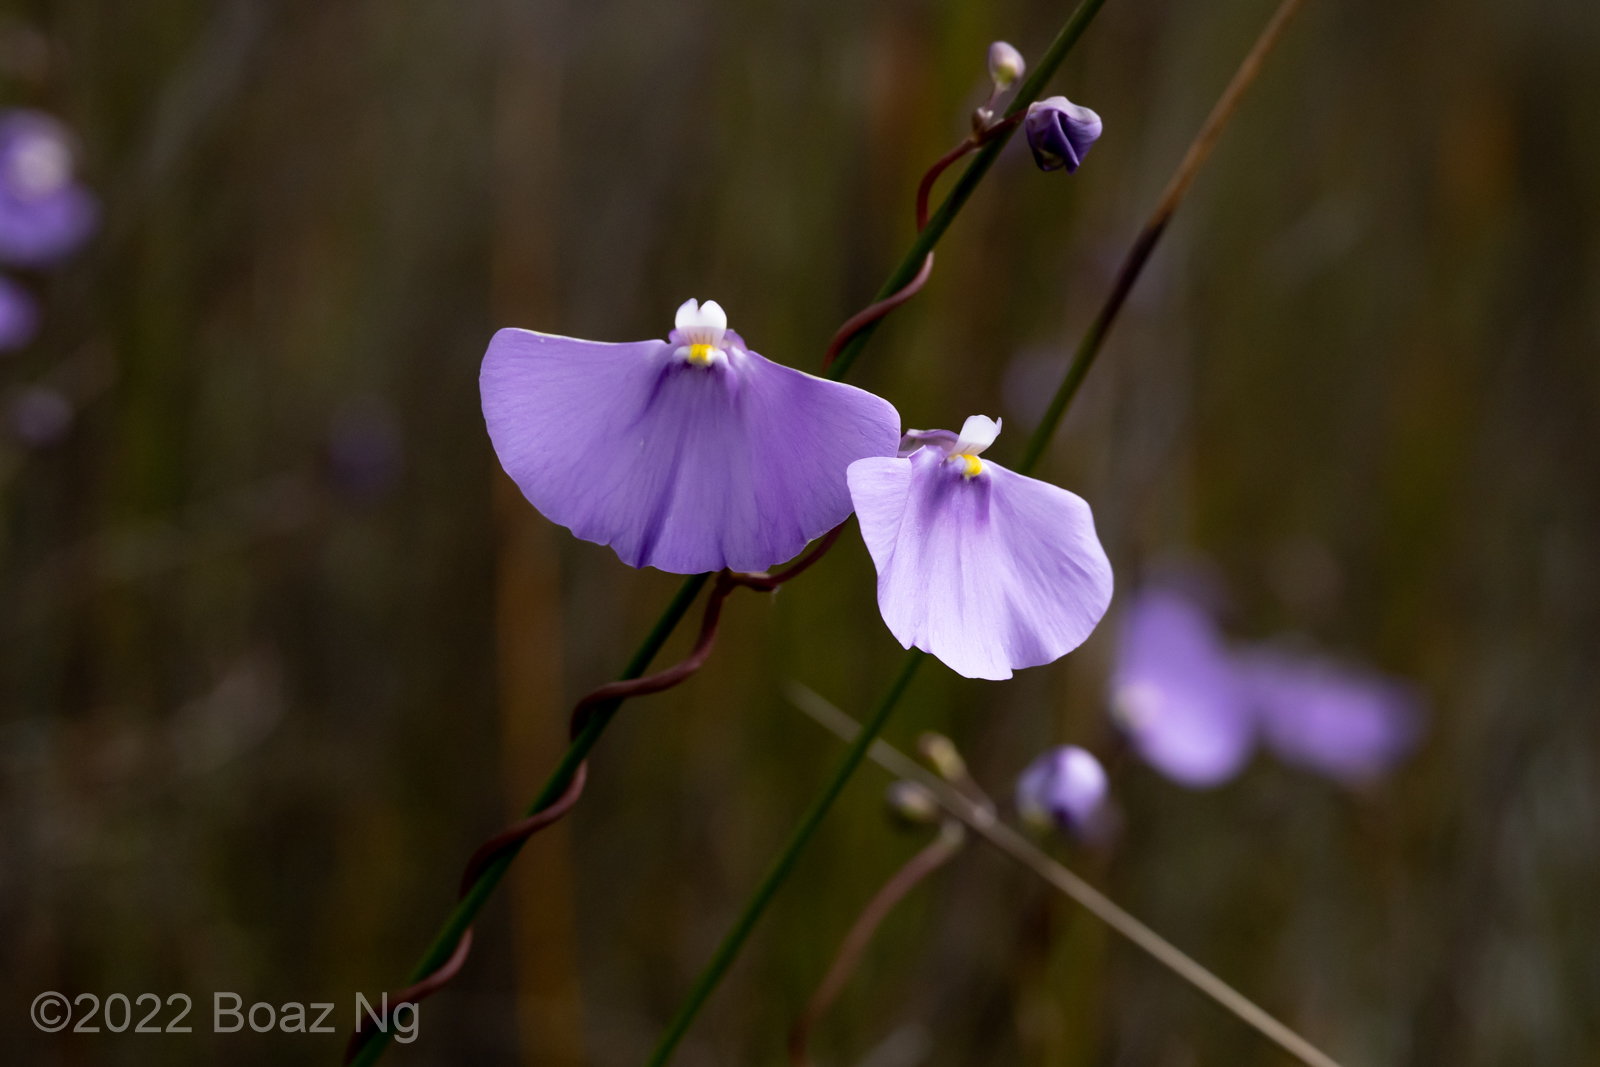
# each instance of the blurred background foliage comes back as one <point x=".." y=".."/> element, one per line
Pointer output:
<point x="280" y="646"/>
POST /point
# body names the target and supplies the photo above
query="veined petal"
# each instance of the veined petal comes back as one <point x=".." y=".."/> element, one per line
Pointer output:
<point x="1176" y="693"/>
<point x="680" y="467"/>
<point x="990" y="574"/>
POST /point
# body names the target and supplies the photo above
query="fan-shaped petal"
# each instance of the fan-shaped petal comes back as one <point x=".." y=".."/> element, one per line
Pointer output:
<point x="682" y="467"/>
<point x="991" y="573"/>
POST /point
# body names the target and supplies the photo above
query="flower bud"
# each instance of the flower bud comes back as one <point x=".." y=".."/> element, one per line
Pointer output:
<point x="1060" y="132"/>
<point x="912" y="802"/>
<point x="1005" y="64"/>
<point x="1064" y="788"/>
<point x="940" y="751"/>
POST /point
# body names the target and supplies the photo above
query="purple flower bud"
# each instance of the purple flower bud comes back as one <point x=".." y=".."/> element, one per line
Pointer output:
<point x="1005" y="64"/>
<point x="1064" y="787"/>
<point x="1345" y="723"/>
<point x="1060" y="132"/>
<point x="44" y="214"/>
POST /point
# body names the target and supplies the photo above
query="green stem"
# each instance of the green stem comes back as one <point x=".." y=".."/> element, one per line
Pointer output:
<point x="779" y="871"/>
<point x="1026" y="94"/>
<point x="467" y="908"/>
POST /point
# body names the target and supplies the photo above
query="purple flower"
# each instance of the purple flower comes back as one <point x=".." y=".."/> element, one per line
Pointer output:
<point x="1347" y="724"/>
<point x="1064" y="787"/>
<point x="44" y="214"/>
<point x="688" y="455"/>
<point x="1176" y="693"/>
<point x="1060" y="132"/>
<point x="19" y="316"/>
<point x="986" y="569"/>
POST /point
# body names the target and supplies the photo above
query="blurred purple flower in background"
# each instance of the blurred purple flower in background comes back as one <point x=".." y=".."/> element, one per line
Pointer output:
<point x="45" y="215"/>
<point x="690" y="454"/>
<point x="1194" y="708"/>
<point x="1064" y="788"/>
<point x="987" y="569"/>
<point x="1176" y="693"/>
<point x="1060" y="132"/>
<point x="1344" y="723"/>
<point x="19" y="316"/>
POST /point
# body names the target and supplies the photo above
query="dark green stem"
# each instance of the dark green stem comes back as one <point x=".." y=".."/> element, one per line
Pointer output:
<point x="466" y="910"/>
<point x="779" y="871"/>
<point x="1026" y="94"/>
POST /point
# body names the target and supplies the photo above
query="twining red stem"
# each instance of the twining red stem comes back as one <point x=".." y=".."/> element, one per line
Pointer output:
<point x="924" y="863"/>
<point x="726" y="583"/>
<point x="514" y="834"/>
<point x="925" y="189"/>
<point x="876" y="311"/>
<point x="520" y="831"/>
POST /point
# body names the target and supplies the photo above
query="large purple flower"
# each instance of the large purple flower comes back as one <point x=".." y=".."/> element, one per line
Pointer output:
<point x="688" y="455"/>
<point x="986" y="569"/>
<point x="44" y="214"/>
<point x="1176" y="693"/>
<point x="1342" y="722"/>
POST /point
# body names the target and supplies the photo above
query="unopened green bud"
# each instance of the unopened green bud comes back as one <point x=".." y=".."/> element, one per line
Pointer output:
<point x="912" y="802"/>
<point x="940" y="751"/>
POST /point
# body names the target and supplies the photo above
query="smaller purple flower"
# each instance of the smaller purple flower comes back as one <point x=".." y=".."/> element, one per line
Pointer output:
<point x="45" y="215"/>
<point x="1175" y="691"/>
<point x="1064" y="788"/>
<point x="19" y="316"/>
<point x="689" y="454"/>
<point x="987" y="569"/>
<point x="1060" y="132"/>
<point x="1345" y="723"/>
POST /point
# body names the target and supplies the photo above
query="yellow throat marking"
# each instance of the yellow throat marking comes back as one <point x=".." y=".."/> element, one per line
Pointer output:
<point x="974" y="466"/>
<point x="701" y="355"/>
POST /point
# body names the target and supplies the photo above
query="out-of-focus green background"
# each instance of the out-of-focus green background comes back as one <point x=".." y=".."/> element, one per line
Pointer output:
<point x="278" y="646"/>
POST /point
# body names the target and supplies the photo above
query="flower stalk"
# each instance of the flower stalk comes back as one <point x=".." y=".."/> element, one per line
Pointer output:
<point x="946" y="844"/>
<point x="981" y="820"/>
